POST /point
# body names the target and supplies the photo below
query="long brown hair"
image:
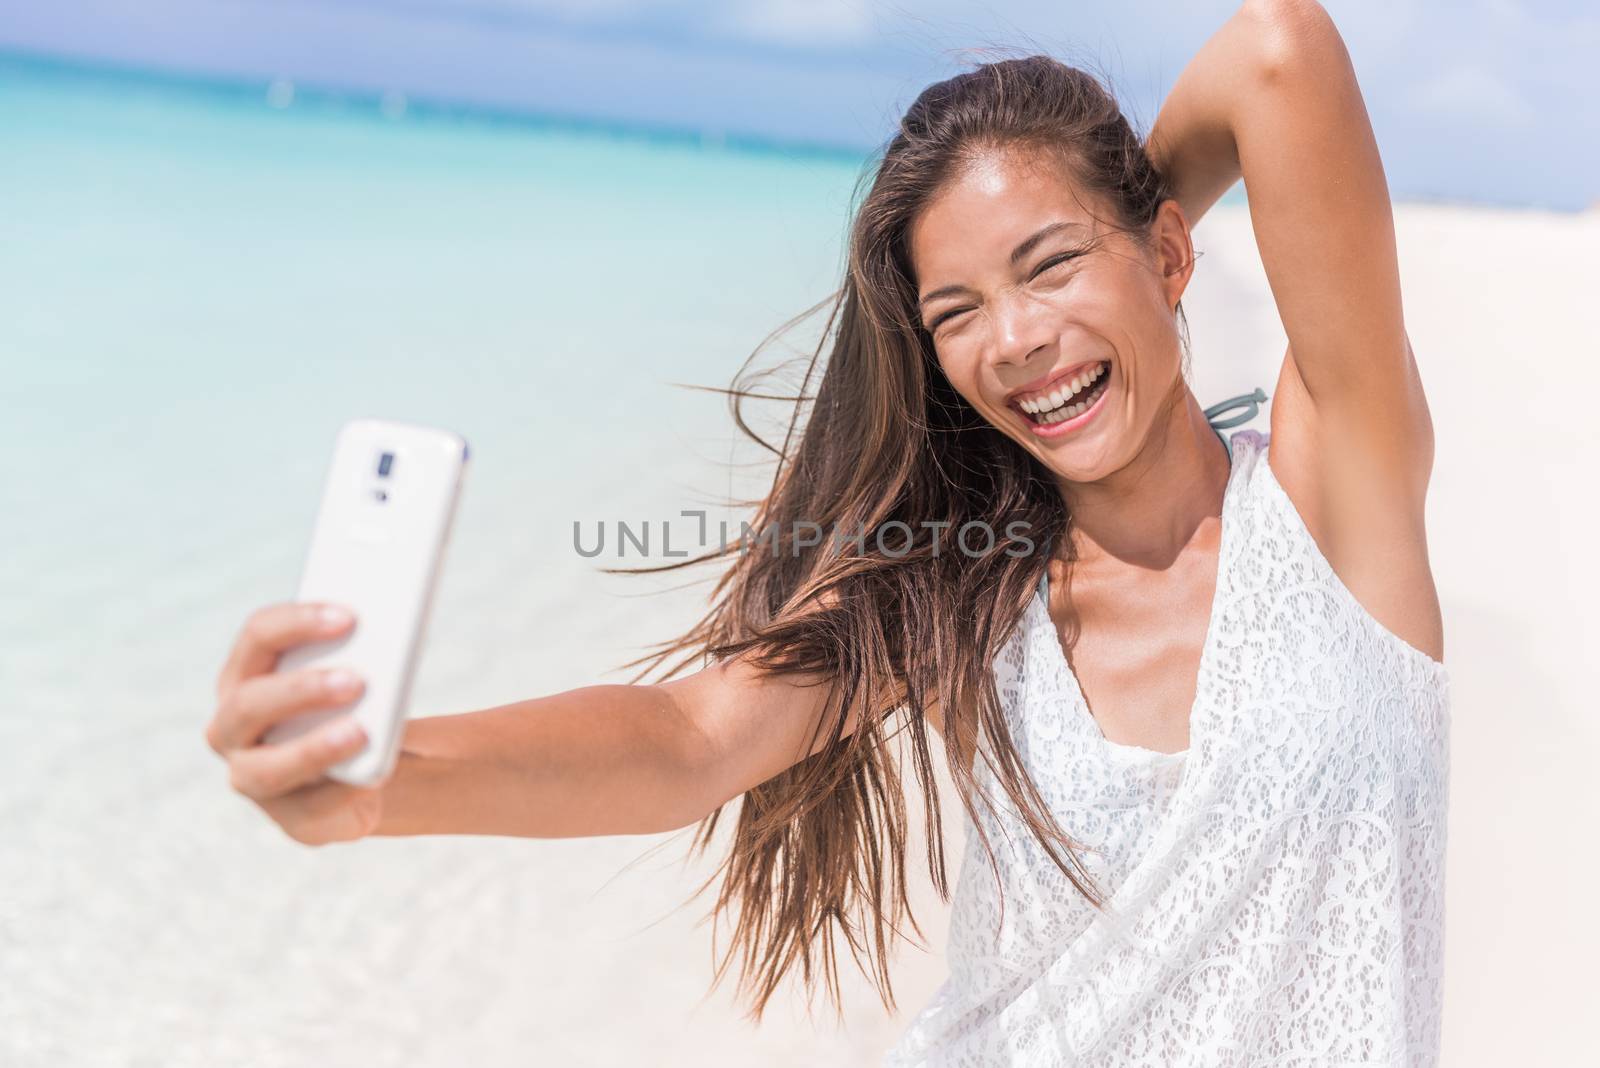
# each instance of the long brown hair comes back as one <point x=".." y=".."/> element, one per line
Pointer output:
<point x="905" y="621"/>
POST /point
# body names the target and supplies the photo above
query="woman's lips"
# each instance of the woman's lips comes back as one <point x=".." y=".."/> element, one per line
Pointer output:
<point x="1045" y="384"/>
<point x="1067" y="426"/>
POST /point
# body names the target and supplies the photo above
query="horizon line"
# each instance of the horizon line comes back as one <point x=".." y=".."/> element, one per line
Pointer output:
<point x="372" y="103"/>
<point x="382" y="105"/>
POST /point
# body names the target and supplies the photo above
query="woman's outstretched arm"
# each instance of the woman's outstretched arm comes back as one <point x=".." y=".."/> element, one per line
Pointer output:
<point x="606" y="759"/>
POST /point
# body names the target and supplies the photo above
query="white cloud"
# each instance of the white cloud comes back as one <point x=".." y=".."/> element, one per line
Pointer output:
<point x="578" y="9"/>
<point x="1471" y="92"/>
<point x="807" y="22"/>
<point x="783" y="22"/>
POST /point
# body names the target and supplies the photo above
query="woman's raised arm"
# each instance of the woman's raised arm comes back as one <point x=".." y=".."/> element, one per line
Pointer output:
<point x="1274" y="94"/>
<point x="1273" y="97"/>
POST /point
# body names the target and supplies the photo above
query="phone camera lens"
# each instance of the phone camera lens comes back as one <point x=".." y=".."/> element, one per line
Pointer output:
<point x="385" y="462"/>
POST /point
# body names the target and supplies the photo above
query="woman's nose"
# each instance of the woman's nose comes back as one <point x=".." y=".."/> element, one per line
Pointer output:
<point x="1019" y="329"/>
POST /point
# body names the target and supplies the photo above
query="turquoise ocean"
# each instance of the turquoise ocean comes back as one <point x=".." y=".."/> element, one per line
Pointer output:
<point x="197" y="287"/>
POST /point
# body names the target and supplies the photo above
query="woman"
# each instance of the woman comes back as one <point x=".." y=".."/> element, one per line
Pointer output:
<point x="1190" y="691"/>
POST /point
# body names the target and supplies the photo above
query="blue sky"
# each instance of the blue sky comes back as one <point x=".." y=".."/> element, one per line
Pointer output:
<point x="1485" y="100"/>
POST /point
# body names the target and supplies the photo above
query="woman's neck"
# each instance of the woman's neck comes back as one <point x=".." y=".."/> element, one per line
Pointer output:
<point x="1148" y="511"/>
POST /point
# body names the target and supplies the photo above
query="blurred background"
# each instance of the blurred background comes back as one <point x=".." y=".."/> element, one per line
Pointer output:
<point x="228" y="226"/>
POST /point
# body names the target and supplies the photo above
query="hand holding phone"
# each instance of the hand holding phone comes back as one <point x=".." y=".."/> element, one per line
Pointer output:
<point x="387" y="509"/>
<point x="289" y="781"/>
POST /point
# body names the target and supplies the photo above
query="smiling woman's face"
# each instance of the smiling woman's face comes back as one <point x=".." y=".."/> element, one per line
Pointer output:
<point x="1057" y="329"/>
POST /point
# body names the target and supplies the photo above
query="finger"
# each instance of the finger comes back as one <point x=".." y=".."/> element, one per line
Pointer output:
<point x="260" y="702"/>
<point x="277" y="627"/>
<point x="266" y="772"/>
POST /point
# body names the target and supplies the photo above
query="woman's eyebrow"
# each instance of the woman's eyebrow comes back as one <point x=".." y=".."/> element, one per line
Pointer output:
<point x="1027" y="245"/>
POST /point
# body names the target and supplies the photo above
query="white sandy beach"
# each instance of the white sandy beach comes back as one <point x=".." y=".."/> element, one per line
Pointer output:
<point x="148" y="916"/>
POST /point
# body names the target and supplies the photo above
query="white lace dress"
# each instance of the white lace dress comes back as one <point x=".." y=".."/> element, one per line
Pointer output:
<point x="1276" y="889"/>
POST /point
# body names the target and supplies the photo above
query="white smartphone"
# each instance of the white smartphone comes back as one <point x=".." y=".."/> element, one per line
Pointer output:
<point x="379" y="541"/>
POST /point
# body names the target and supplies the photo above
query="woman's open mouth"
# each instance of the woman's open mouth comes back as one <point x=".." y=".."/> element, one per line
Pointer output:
<point x="1063" y="404"/>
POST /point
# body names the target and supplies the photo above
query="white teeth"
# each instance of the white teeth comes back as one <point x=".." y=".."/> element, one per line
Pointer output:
<point x="1052" y="403"/>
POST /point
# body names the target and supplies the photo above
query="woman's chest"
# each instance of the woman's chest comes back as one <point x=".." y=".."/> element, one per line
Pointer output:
<point x="1134" y="639"/>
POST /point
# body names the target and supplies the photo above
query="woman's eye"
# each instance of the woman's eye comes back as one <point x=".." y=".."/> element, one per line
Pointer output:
<point x="1055" y="261"/>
